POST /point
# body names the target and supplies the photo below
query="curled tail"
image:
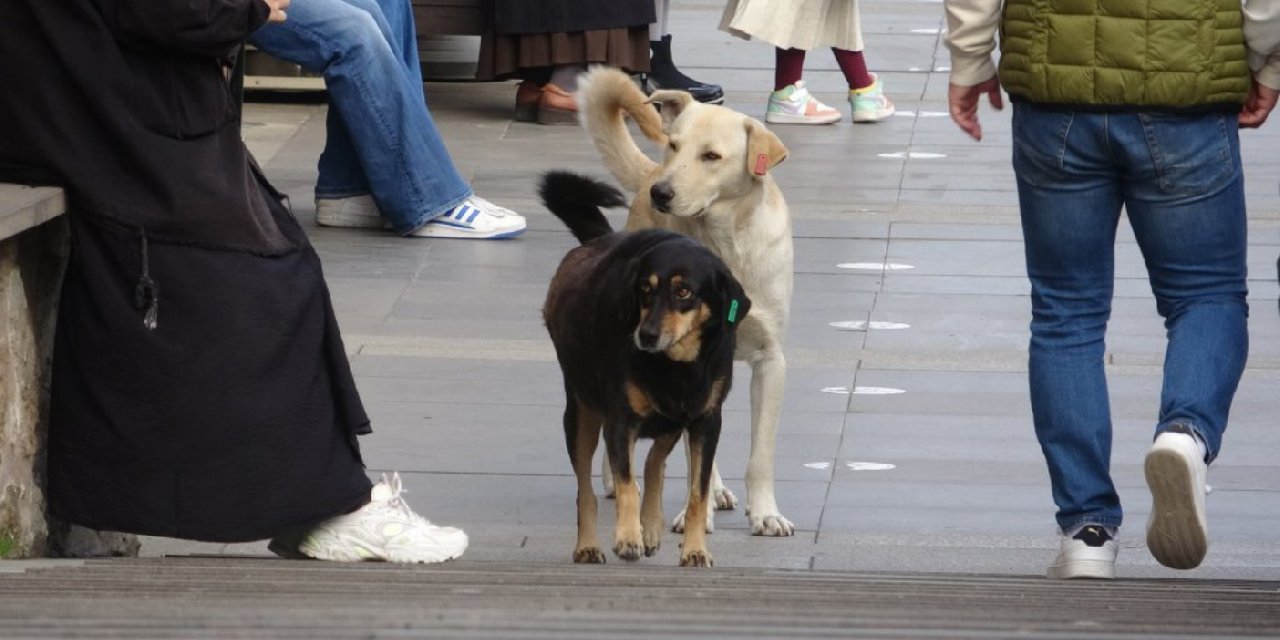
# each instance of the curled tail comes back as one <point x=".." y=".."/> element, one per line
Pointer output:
<point x="605" y="97"/>
<point x="576" y="200"/>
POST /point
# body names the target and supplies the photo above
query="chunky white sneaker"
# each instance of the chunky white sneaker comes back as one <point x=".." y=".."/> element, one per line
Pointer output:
<point x="1177" y="531"/>
<point x="474" y="218"/>
<point x="386" y="529"/>
<point x="358" y="212"/>
<point x="793" y="104"/>
<point x="1091" y="553"/>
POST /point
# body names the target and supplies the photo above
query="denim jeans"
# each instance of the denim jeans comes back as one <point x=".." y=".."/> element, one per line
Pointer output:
<point x="381" y="137"/>
<point x="1179" y="180"/>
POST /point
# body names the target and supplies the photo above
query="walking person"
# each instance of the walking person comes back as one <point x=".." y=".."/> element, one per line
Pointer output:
<point x="1134" y="106"/>
<point x="796" y="27"/>
<point x="384" y="162"/>
<point x="200" y="388"/>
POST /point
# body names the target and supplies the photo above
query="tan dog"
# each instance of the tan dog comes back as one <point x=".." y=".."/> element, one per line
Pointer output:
<point x="714" y="185"/>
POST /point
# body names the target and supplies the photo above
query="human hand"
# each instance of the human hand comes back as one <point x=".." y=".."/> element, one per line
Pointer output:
<point x="277" y="10"/>
<point x="964" y="104"/>
<point x="1258" y="105"/>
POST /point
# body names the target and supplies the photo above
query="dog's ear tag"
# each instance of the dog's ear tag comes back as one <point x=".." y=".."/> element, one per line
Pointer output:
<point x="762" y="164"/>
<point x="733" y="311"/>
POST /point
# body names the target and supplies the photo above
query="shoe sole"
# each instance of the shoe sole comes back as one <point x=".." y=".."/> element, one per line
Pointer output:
<point x="350" y="221"/>
<point x="875" y="116"/>
<point x="648" y="87"/>
<point x="557" y="116"/>
<point x="1176" y="536"/>
<point x="350" y="555"/>
<point x="441" y="231"/>
<point x="1089" y="569"/>
<point x="783" y="118"/>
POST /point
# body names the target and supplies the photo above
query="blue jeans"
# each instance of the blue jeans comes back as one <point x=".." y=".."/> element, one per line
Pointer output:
<point x="1179" y="179"/>
<point x="381" y="138"/>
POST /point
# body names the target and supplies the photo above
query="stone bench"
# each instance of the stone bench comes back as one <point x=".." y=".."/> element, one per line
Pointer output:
<point x="33" y="255"/>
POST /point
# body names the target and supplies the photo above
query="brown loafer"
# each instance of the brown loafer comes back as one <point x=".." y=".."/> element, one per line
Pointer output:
<point x="528" y="94"/>
<point x="557" y="106"/>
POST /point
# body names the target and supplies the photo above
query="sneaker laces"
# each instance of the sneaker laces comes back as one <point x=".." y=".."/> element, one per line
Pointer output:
<point x="491" y="208"/>
<point x="396" y="503"/>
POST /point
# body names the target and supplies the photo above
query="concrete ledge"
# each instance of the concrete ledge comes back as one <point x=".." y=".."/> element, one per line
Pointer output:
<point x="23" y="208"/>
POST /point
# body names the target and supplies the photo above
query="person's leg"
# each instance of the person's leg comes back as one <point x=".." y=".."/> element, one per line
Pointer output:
<point x="380" y="104"/>
<point x="788" y="67"/>
<point x="791" y="102"/>
<point x="867" y="102"/>
<point x="663" y="73"/>
<point x="1070" y="201"/>
<point x="1187" y="207"/>
<point x="1188" y="212"/>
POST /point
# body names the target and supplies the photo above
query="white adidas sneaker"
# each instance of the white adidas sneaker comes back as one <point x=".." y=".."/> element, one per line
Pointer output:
<point x="474" y="218"/>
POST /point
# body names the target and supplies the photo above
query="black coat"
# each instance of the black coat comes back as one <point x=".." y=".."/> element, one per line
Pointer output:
<point x="200" y="387"/>
<point x="512" y="17"/>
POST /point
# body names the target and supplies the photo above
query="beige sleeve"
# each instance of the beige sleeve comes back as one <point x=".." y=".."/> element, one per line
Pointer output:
<point x="1262" y="35"/>
<point x="971" y="37"/>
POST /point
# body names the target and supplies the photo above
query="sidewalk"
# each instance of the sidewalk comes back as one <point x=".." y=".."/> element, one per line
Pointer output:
<point x="905" y="449"/>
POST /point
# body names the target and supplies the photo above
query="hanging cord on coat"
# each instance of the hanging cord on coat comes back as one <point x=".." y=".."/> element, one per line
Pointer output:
<point x="146" y="295"/>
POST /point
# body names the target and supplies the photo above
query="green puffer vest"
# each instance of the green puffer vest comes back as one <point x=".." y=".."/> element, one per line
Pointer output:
<point x="1176" y="54"/>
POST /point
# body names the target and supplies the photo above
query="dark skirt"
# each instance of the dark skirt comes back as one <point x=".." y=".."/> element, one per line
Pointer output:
<point x="532" y="56"/>
<point x="234" y="419"/>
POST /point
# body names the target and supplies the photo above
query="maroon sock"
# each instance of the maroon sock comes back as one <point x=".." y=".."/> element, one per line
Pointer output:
<point x="854" y="68"/>
<point x="789" y="67"/>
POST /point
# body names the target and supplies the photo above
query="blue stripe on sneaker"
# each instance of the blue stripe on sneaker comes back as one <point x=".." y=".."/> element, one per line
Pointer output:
<point x="474" y="213"/>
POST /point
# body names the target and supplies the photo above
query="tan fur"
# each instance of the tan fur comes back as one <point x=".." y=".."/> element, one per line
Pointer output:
<point x="717" y="164"/>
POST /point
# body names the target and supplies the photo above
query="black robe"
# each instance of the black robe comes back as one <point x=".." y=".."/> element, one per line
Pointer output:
<point x="200" y="387"/>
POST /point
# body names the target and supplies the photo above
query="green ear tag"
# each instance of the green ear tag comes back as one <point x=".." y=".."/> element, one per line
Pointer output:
<point x="733" y="311"/>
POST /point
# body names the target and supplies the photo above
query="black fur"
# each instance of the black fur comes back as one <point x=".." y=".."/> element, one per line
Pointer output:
<point x="615" y="293"/>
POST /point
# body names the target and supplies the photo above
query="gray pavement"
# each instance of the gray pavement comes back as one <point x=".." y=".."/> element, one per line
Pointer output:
<point x="904" y="448"/>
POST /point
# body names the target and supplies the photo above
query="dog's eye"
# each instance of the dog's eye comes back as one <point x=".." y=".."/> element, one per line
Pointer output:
<point x="683" y="293"/>
<point x="673" y="147"/>
<point x="711" y="156"/>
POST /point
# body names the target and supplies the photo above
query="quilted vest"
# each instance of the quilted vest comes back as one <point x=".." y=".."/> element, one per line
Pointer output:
<point x="1176" y="54"/>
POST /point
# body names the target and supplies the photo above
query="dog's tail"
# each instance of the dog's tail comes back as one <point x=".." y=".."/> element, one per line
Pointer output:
<point x="576" y="200"/>
<point x="605" y="95"/>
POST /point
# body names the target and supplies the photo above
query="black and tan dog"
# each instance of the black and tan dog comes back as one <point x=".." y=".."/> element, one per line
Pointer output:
<point x="643" y="325"/>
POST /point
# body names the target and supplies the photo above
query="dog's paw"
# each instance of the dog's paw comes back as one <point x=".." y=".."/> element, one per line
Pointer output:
<point x="772" y="525"/>
<point x="723" y="499"/>
<point x="652" y="538"/>
<point x="698" y="558"/>
<point x="627" y="550"/>
<point x="588" y="555"/>
<point x="677" y="523"/>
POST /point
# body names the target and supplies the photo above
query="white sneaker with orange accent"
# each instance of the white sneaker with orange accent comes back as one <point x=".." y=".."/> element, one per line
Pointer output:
<point x="793" y="104"/>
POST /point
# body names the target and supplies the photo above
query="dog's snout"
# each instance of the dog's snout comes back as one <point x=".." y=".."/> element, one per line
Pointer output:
<point x="647" y="336"/>
<point x="662" y="194"/>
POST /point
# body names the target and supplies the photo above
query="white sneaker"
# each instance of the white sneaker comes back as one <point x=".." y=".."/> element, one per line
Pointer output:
<point x="358" y="212"/>
<point x="386" y="529"/>
<point x="1091" y="553"/>
<point x="474" y="218"/>
<point x="1177" y="531"/>
<point x="793" y="104"/>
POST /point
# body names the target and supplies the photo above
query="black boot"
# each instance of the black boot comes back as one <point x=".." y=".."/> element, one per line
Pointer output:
<point x="663" y="74"/>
